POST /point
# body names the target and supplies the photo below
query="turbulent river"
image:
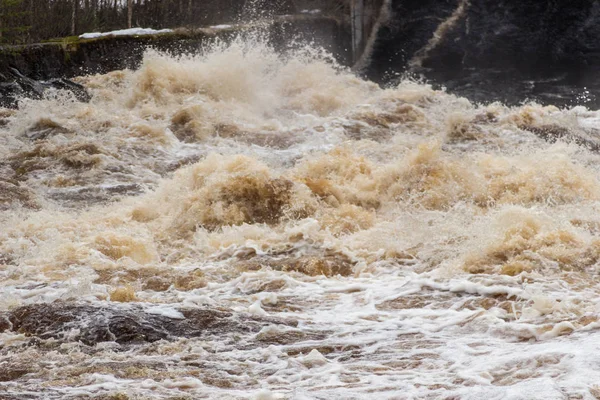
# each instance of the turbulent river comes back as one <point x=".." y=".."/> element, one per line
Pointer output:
<point x="245" y="224"/>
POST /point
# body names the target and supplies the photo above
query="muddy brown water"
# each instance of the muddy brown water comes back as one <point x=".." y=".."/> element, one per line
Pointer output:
<point x="245" y="224"/>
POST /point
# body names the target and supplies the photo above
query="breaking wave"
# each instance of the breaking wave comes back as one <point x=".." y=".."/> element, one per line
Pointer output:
<point x="282" y="184"/>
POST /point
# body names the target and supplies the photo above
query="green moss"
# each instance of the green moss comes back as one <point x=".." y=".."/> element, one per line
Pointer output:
<point x="13" y="50"/>
<point x="63" y="40"/>
<point x="70" y="45"/>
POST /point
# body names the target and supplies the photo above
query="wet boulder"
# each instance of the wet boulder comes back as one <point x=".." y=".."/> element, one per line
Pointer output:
<point x="129" y="324"/>
<point x="14" y="86"/>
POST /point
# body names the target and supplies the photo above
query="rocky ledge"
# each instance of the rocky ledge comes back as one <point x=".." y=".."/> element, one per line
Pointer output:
<point x="27" y="71"/>
<point x="129" y="324"/>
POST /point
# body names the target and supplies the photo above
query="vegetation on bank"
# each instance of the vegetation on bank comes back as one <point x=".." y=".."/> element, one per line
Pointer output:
<point x="30" y="21"/>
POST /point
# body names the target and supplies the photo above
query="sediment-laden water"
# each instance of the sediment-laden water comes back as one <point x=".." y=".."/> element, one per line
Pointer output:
<point x="243" y="224"/>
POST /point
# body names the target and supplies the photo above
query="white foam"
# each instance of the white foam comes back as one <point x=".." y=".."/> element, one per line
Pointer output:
<point x="407" y="321"/>
<point x="256" y="308"/>
<point x="165" y="311"/>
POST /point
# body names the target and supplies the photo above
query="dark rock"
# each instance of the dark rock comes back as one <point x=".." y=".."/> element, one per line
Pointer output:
<point x="30" y="87"/>
<point x="64" y="84"/>
<point x="487" y="50"/>
<point x="127" y="325"/>
<point x="10" y="92"/>
<point x="411" y="26"/>
<point x="14" y="86"/>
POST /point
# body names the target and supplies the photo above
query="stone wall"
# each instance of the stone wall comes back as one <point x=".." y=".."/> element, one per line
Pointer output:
<point x="68" y="57"/>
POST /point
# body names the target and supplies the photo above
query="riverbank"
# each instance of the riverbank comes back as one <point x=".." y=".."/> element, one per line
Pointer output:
<point x="74" y="56"/>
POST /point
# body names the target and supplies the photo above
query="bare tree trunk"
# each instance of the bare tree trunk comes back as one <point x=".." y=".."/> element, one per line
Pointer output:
<point x="129" y="13"/>
<point x="31" y="19"/>
<point x="74" y="17"/>
<point x="1" y="18"/>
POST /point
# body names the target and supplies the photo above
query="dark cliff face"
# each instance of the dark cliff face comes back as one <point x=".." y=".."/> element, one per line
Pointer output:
<point x="412" y="24"/>
<point x="506" y="50"/>
<point x="530" y="36"/>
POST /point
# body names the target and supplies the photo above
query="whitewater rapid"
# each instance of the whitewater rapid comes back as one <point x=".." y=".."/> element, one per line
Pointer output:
<point x="397" y="243"/>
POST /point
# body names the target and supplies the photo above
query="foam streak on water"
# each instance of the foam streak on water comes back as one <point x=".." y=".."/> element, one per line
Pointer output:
<point x="379" y="243"/>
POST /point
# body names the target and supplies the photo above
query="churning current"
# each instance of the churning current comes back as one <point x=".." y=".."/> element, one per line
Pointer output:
<point x="246" y="224"/>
